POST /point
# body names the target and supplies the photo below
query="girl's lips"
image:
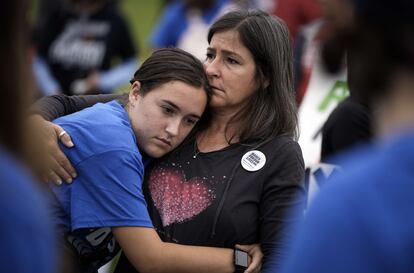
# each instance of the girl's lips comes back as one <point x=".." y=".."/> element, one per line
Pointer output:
<point x="166" y="142"/>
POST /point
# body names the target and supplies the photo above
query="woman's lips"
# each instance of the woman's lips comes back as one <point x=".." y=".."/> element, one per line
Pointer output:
<point x="216" y="88"/>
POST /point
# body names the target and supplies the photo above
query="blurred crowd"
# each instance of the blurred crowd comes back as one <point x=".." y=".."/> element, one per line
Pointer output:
<point x="353" y="85"/>
<point x="85" y="47"/>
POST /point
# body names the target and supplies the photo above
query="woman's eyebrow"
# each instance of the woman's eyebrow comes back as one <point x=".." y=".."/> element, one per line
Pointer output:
<point x="225" y="52"/>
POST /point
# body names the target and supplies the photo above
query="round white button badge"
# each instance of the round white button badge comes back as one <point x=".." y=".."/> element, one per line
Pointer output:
<point x="253" y="160"/>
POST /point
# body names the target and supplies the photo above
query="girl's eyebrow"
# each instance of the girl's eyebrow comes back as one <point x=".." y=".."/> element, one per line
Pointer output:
<point x="173" y="105"/>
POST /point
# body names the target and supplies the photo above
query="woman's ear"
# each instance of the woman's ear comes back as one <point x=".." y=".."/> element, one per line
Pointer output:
<point x="134" y="93"/>
<point x="266" y="83"/>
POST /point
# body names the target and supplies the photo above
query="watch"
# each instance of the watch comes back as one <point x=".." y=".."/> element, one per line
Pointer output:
<point x="240" y="260"/>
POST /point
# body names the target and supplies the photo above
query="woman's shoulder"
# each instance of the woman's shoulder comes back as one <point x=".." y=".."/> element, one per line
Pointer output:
<point x="283" y="151"/>
<point x="282" y="143"/>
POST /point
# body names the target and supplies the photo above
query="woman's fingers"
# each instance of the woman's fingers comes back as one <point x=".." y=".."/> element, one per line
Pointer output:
<point x="61" y="168"/>
<point x="52" y="176"/>
<point x="63" y="136"/>
<point x="58" y="173"/>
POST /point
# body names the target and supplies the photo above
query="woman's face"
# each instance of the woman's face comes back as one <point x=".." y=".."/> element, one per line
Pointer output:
<point x="231" y="71"/>
<point x="163" y="117"/>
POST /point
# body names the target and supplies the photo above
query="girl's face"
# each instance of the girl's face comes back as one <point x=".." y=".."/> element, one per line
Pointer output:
<point x="231" y="71"/>
<point x="163" y="117"/>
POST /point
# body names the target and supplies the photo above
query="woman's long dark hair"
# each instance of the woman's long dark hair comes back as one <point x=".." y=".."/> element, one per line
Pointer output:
<point x="271" y="110"/>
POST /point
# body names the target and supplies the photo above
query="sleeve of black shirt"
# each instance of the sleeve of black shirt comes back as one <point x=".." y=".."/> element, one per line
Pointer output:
<point x="56" y="106"/>
<point x="282" y="204"/>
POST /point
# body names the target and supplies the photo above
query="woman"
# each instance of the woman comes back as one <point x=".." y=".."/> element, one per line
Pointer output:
<point x="167" y="98"/>
<point x="243" y="163"/>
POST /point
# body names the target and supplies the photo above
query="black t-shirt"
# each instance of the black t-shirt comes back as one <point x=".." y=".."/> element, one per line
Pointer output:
<point x="211" y="200"/>
<point x="348" y="125"/>
<point x="74" y="46"/>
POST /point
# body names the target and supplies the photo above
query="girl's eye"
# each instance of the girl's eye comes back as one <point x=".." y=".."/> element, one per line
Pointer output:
<point x="167" y="110"/>
<point x="191" y="121"/>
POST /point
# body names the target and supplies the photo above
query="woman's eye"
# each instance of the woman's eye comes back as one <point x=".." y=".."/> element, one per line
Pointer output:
<point x="209" y="56"/>
<point x="232" y="61"/>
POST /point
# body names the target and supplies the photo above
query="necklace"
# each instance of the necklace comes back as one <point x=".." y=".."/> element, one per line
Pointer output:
<point x="196" y="150"/>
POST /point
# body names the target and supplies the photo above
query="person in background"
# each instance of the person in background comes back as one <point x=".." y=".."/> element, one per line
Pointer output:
<point x="78" y="45"/>
<point x="318" y="92"/>
<point x="350" y="123"/>
<point x="362" y="220"/>
<point x="26" y="234"/>
<point x="237" y="177"/>
<point x="297" y="13"/>
<point x="185" y="23"/>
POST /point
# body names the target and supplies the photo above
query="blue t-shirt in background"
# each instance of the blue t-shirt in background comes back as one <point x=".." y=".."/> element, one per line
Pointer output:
<point x="362" y="220"/>
<point x="174" y="22"/>
<point x="107" y="191"/>
<point x="26" y="234"/>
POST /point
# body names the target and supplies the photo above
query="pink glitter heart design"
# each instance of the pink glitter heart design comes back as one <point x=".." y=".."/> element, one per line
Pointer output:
<point x="176" y="198"/>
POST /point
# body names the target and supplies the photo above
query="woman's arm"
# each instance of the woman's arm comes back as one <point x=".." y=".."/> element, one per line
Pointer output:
<point x="147" y="253"/>
<point x="283" y="194"/>
<point x="56" y="106"/>
<point x="50" y="108"/>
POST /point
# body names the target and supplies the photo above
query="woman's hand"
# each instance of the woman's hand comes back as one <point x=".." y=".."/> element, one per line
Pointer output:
<point x="255" y="257"/>
<point x="60" y="166"/>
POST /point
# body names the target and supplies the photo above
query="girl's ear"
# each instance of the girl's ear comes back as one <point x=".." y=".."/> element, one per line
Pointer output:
<point x="134" y="93"/>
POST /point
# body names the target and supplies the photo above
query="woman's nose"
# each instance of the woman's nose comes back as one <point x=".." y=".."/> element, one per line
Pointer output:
<point x="212" y="68"/>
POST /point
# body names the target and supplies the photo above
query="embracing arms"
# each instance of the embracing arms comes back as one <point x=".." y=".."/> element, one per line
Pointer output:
<point x="143" y="247"/>
<point x="56" y="106"/>
<point x="148" y="253"/>
<point x="52" y="107"/>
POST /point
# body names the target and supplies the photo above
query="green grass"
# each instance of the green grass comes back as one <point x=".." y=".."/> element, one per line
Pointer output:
<point x="141" y="16"/>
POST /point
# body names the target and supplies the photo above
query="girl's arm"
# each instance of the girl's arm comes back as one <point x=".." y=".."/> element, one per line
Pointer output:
<point x="147" y="253"/>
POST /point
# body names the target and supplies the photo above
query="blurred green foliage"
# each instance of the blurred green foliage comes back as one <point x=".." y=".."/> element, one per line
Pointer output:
<point x="141" y="15"/>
